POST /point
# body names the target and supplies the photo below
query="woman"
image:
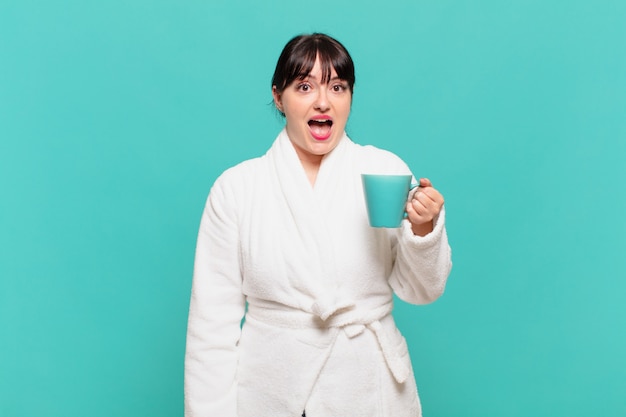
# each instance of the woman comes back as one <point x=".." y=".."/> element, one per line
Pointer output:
<point x="287" y="234"/>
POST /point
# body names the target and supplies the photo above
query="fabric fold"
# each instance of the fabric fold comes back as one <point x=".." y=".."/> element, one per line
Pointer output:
<point x="395" y="356"/>
<point x="318" y="282"/>
<point x="395" y="352"/>
<point x="309" y="213"/>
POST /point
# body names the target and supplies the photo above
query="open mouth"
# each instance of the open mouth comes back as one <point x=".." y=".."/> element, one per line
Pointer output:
<point x="320" y="128"/>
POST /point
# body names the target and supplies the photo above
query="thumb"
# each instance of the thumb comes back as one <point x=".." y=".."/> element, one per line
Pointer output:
<point x="425" y="182"/>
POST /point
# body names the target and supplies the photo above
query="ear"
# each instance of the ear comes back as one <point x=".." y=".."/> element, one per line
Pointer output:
<point x="277" y="99"/>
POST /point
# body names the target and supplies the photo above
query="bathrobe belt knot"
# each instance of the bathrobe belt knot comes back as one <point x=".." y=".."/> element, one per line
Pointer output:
<point x="343" y="315"/>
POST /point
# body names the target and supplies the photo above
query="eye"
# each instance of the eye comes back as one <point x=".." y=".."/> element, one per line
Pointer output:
<point x="304" y="87"/>
<point x="339" y="88"/>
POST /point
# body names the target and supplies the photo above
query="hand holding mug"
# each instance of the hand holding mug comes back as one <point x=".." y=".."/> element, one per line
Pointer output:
<point x="425" y="204"/>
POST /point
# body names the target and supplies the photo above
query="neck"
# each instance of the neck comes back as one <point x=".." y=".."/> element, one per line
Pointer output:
<point x="311" y="166"/>
<point x="310" y="163"/>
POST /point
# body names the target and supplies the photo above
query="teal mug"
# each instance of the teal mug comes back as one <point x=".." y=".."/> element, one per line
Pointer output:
<point x="386" y="197"/>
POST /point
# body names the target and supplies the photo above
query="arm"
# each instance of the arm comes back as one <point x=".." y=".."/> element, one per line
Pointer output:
<point x="422" y="254"/>
<point x="216" y="309"/>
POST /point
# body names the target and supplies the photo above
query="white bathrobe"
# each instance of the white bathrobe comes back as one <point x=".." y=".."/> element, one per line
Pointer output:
<point x="318" y="280"/>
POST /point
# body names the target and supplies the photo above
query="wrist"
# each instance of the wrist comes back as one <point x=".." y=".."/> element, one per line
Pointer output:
<point x="422" y="229"/>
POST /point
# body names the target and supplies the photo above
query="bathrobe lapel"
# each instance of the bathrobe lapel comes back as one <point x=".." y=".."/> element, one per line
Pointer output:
<point x="312" y="212"/>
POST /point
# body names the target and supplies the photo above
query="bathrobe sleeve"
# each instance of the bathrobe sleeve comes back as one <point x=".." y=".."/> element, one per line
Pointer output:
<point x="216" y="309"/>
<point x="422" y="264"/>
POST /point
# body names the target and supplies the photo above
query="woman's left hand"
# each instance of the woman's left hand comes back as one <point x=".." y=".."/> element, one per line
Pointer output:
<point x="425" y="205"/>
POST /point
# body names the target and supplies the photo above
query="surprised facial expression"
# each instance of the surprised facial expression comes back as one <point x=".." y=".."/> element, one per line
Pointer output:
<point x="316" y="112"/>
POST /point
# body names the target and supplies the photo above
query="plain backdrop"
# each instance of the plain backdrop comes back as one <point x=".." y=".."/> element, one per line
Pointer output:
<point x="117" y="116"/>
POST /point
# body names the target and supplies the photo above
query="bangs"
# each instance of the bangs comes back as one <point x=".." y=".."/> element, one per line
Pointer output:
<point x="299" y="56"/>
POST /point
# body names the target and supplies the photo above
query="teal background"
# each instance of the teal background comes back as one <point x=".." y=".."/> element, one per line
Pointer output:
<point x="117" y="116"/>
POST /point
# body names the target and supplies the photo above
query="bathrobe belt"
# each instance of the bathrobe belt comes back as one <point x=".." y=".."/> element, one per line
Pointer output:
<point x="342" y="316"/>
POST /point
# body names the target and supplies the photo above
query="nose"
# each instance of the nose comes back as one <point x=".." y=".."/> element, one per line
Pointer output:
<point x="321" y="100"/>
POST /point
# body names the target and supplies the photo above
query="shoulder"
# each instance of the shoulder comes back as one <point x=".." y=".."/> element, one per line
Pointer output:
<point x="240" y="172"/>
<point x="234" y="181"/>
<point x="380" y="161"/>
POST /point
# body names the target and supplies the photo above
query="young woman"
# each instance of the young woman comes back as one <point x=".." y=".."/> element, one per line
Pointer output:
<point x="287" y="234"/>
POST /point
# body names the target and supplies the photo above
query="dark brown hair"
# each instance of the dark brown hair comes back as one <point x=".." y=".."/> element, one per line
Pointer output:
<point x="298" y="58"/>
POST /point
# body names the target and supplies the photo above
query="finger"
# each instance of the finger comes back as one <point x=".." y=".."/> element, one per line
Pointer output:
<point x="417" y="215"/>
<point x="425" y="182"/>
<point x="412" y="215"/>
<point x="432" y="193"/>
<point x="426" y="196"/>
<point x="427" y="203"/>
<point x="424" y="206"/>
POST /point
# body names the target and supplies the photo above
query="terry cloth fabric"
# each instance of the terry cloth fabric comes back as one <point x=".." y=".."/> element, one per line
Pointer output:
<point x="319" y="282"/>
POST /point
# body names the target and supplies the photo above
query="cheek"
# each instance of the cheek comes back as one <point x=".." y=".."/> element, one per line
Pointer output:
<point x="347" y="103"/>
<point x="294" y="109"/>
<point x="345" y="109"/>
<point x="291" y="113"/>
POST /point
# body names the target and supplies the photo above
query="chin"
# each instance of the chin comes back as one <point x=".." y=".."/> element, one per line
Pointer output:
<point x="323" y="148"/>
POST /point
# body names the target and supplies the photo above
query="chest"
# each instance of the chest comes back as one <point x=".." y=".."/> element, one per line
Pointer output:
<point x="317" y="238"/>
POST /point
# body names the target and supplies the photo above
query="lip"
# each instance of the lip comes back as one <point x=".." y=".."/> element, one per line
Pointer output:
<point x="321" y="117"/>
